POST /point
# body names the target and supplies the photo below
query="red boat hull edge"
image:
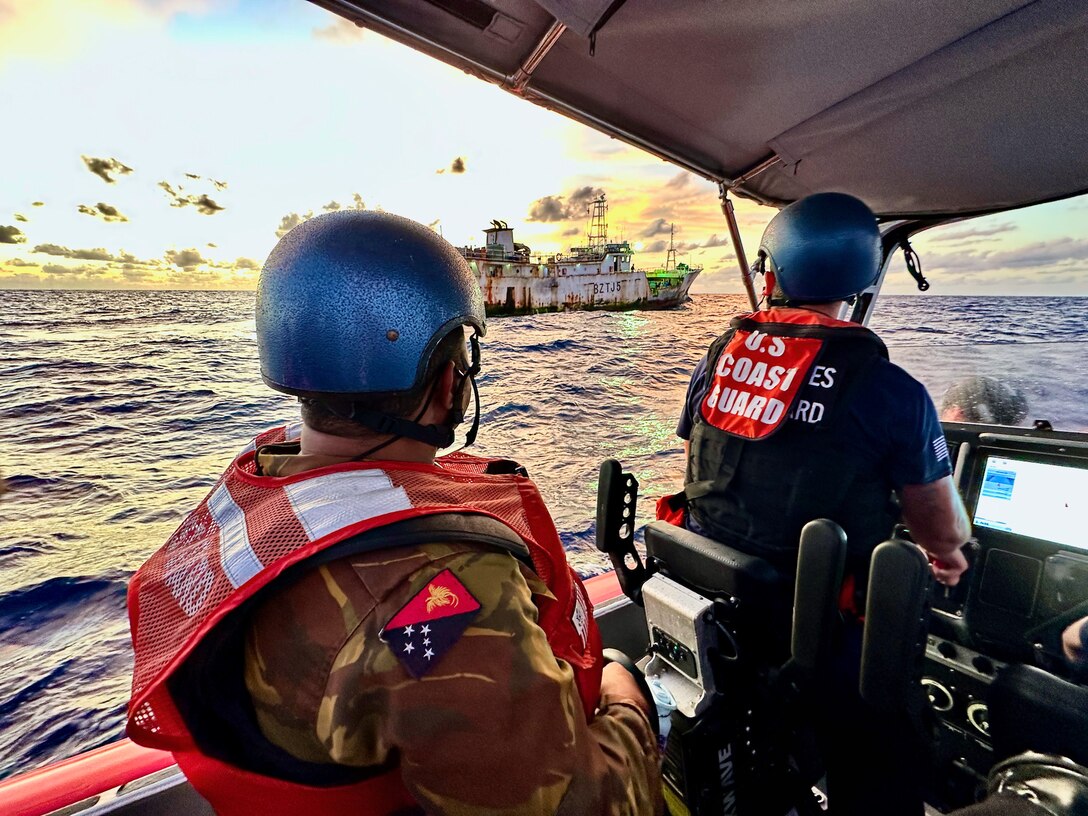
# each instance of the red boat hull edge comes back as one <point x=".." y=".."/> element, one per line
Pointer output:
<point x="77" y="778"/>
<point x="72" y="780"/>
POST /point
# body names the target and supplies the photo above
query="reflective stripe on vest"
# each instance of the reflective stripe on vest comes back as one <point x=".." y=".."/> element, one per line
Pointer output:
<point x="249" y="529"/>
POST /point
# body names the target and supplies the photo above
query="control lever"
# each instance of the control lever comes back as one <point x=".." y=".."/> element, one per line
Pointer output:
<point x="617" y="496"/>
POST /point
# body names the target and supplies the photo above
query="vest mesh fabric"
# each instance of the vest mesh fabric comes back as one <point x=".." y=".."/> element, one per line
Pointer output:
<point x="247" y="523"/>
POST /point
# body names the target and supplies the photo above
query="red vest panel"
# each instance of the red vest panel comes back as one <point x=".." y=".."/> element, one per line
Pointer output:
<point x="250" y="528"/>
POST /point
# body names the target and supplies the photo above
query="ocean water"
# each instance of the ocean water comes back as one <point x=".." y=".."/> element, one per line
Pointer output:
<point x="119" y="410"/>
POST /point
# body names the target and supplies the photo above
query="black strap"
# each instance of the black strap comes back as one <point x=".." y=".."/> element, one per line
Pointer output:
<point x="727" y="469"/>
<point x="438" y="435"/>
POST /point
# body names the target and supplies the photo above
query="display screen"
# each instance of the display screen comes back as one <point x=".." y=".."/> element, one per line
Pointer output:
<point x="1035" y="499"/>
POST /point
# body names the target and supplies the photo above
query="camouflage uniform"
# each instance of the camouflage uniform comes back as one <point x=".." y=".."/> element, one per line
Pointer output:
<point x="495" y="727"/>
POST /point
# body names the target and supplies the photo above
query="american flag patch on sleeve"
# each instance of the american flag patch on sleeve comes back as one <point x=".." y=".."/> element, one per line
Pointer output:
<point x="940" y="448"/>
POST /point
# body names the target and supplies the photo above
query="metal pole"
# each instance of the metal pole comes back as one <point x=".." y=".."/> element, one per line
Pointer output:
<point x="738" y="244"/>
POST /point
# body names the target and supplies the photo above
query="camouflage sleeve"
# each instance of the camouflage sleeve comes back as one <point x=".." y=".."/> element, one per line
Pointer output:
<point x="489" y="723"/>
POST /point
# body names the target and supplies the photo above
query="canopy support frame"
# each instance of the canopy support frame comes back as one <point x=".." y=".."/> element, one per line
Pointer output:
<point x="520" y="79"/>
<point x="738" y="242"/>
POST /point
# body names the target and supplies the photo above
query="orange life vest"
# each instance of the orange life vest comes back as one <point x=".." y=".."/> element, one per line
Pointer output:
<point x="250" y="528"/>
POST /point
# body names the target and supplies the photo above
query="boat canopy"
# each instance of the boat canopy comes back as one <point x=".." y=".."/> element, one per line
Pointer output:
<point x="928" y="110"/>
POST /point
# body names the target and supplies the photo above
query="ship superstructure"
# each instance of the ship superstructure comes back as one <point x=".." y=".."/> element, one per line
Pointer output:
<point x="598" y="275"/>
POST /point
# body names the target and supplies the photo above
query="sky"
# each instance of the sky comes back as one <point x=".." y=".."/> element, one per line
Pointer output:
<point x="162" y="144"/>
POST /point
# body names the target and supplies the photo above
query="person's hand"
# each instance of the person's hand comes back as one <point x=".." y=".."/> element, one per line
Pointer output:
<point x="949" y="567"/>
<point x="618" y="682"/>
<point x="1073" y="641"/>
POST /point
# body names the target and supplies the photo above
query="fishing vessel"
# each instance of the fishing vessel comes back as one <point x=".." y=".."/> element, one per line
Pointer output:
<point x="599" y="275"/>
<point x="901" y="124"/>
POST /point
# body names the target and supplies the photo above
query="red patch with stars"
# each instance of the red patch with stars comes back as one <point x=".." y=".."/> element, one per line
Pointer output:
<point x="430" y="623"/>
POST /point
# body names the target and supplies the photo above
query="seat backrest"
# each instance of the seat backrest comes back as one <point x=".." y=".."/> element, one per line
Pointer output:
<point x="771" y="606"/>
<point x="896" y="616"/>
<point x="758" y="598"/>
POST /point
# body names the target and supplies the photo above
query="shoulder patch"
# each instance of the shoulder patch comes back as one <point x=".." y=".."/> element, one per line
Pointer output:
<point x="430" y="623"/>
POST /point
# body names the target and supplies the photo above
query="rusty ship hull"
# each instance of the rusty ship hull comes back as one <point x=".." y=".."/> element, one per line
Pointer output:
<point x="599" y="275"/>
<point x="530" y="288"/>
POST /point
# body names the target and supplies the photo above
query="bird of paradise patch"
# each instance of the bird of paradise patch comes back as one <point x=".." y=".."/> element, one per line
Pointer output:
<point x="430" y="623"/>
<point x="440" y="596"/>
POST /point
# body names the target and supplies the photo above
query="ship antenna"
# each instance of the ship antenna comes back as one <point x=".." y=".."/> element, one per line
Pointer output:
<point x="670" y="258"/>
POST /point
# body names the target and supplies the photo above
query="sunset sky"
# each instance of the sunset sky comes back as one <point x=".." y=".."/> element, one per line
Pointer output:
<point x="163" y="144"/>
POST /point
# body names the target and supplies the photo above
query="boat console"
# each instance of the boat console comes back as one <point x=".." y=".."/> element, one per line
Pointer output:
<point x="1026" y="493"/>
<point x="726" y="633"/>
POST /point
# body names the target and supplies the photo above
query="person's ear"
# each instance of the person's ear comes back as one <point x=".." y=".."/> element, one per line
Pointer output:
<point x="446" y="381"/>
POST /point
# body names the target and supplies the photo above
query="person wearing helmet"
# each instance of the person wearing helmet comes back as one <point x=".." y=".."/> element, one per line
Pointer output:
<point x="984" y="399"/>
<point x="349" y="623"/>
<point x="795" y="415"/>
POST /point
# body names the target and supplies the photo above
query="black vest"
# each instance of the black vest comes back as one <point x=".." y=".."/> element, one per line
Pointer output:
<point x="758" y="494"/>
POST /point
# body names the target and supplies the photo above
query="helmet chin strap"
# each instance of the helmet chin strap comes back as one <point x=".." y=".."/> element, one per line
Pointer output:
<point x="438" y="436"/>
<point x="459" y="413"/>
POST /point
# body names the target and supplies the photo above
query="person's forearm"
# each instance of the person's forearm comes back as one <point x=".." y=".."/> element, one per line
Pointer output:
<point x="628" y="748"/>
<point x="936" y="517"/>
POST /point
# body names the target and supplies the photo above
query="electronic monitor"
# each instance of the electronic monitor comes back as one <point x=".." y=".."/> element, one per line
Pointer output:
<point x="1041" y="500"/>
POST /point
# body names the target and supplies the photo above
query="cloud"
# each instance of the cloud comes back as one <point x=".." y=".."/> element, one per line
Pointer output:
<point x="107" y="212"/>
<point x="679" y="181"/>
<point x="246" y="263"/>
<point x="658" y="227"/>
<point x="357" y="202"/>
<point x="434" y="224"/>
<point x="204" y="205"/>
<point x="192" y="176"/>
<point x="79" y="254"/>
<point x="185" y="258"/>
<point x="105" y="168"/>
<point x="715" y="241"/>
<point x="571" y="232"/>
<point x="548" y="208"/>
<point x="1047" y="257"/>
<point x="557" y="208"/>
<point x="136" y="274"/>
<point x="656" y="246"/>
<point x="11" y="235"/>
<point x="20" y="262"/>
<point x="219" y="185"/>
<point x="84" y="271"/>
<point x="21" y="217"/>
<point x="978" y="232"/>
<point x="213" y="246"/>
<point x="458" y="165"/>
<point x="37" y="204"/>
<point x="332" y="206"/>
<point x="341" y="32"/>
<point x="290" y="221"/>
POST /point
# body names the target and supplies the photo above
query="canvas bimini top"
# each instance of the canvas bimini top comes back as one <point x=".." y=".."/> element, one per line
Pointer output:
<point x="922" y="109"/>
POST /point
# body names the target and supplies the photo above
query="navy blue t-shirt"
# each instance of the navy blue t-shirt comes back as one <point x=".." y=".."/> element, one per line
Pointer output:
<point x="893" y="423"/>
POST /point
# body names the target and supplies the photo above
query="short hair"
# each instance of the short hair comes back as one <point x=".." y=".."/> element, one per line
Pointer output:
<point x="984" y="399"/>
<point x="330" y="414"/>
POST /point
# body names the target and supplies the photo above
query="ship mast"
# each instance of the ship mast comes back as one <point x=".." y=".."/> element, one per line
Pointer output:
<point x="670" y="257"/>
<point x="597" y="236"/>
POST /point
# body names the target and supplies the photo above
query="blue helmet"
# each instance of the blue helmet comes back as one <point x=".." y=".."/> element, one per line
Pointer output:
<point x="822" y="248"/>
<point x="353" y="303"/>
